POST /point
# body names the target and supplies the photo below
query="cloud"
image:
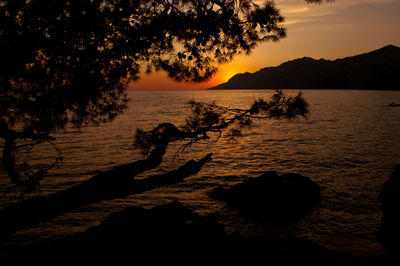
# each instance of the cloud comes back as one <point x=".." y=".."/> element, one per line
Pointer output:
<point x="297" y="11"/>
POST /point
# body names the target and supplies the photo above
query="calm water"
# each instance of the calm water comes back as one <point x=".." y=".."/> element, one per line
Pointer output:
<point x="348" y="145"/>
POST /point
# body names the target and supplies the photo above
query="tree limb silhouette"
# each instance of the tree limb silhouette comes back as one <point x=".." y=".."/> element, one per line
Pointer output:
<point x="27" y="182"/>
<point x="118" y="182"/>
<point x="115" y="183"/>
<point x="71" y="61"/>
<point x="207" y="119"/>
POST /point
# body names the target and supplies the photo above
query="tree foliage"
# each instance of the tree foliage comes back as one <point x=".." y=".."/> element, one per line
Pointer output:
<point x="70" y="61"/>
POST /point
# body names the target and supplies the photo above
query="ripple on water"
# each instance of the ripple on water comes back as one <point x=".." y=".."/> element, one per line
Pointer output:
<point x="348" y="145"/>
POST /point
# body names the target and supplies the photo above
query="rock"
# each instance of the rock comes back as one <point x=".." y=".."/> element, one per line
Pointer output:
<point x="140" y="236"/>
<point x="291" y="250"/>
<point x="172" y="234"/>
<point x="277" y="199"/>
<point x="389" y="233"/>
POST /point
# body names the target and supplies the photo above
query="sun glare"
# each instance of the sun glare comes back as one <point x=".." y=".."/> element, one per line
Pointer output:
<point x="228" y="71"/>
<point x="228" y="74"/>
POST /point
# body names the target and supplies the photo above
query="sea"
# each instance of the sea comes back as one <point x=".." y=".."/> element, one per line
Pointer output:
<point x="348" y="144"/>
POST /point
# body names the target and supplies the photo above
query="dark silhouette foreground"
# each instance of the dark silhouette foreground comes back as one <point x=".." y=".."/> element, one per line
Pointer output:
<point x="173" y="234"/>
<point x="115" y="183"/>
<point x="70" y="62"/>
<point x="277" y="199"/>
<point x="389" y="233"/>
<point x="207" y="122"/>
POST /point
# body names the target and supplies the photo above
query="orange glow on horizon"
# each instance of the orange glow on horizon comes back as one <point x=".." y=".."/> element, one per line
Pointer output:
<point x="160" y="80"/>
<point x="228" y="74"/>
<point x="329" y="31"/>
<point x="228" y="71"/>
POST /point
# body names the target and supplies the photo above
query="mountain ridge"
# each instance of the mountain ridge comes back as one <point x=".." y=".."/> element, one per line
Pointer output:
<point x="375" y="70"/>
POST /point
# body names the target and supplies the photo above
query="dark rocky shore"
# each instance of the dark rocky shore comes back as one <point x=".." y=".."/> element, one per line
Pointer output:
<point x="277" y="199"/>
<point x="389" y="234"/>
<point x="172" y="233"/>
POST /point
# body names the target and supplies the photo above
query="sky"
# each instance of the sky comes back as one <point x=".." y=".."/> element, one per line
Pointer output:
<point x="330" y="31"/>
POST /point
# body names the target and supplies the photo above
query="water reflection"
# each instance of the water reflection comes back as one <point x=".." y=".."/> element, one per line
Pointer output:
<point x="348" y="145"/>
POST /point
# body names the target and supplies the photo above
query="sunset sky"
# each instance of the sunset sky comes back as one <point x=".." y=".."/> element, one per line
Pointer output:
<point x="330" y="31"/>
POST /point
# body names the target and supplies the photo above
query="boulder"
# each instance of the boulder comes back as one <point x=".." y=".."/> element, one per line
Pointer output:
<point x="172" y="234"/>
<point x="280" y="199"/>
<point x="389" y="233"/>
<point x="138" y="236"/>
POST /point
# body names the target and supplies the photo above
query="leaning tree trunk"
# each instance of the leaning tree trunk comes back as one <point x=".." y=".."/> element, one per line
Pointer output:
<point x="115" y="183"/>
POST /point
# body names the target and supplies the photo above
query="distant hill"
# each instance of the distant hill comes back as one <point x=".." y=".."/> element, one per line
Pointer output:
<point x="376" y="70"/>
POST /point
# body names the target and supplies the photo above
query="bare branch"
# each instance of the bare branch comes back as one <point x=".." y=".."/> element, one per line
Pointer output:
<point x="21" y="175"/>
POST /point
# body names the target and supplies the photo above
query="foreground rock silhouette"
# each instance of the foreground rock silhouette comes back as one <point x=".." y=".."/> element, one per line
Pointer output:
<point x="278" y="199"/>
<point x="389" y="233"/>
<point x="172" y="233"/>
